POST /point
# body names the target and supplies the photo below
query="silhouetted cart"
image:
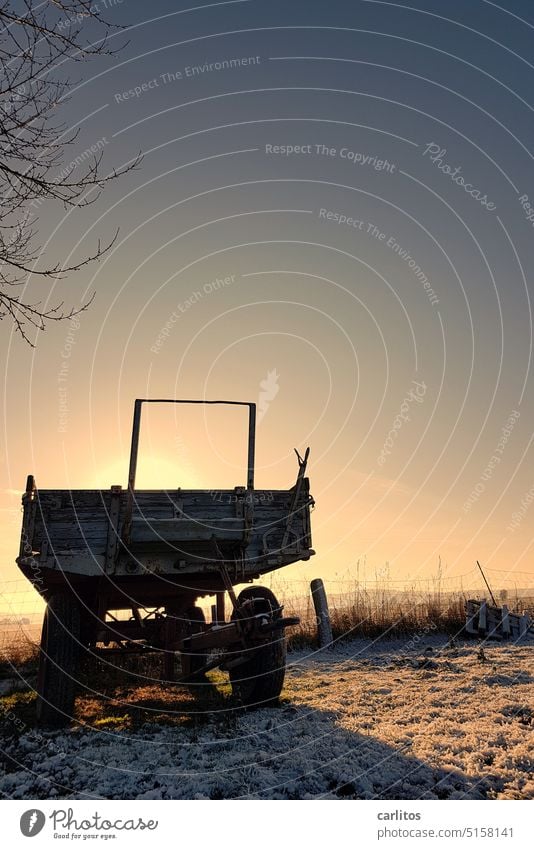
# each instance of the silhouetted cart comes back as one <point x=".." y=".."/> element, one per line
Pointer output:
<point x="122" y="570"/>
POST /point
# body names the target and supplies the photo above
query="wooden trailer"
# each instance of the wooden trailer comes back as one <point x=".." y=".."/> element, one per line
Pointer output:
<point x="93" y="554"/>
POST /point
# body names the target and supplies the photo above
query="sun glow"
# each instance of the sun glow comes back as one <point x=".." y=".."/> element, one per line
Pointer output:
<point x="154" y="472"/>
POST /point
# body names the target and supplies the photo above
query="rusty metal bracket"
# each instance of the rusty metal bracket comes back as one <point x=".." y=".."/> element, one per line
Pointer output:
<point x="227" y="581"/>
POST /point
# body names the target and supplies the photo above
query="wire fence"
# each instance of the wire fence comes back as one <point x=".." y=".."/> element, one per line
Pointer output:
<point x="367" y="603"/>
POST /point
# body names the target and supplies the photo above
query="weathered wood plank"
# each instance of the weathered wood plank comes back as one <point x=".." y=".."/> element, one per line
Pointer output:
<point x="524" y="624"/>
<point x="74" y="525"/>
<point x="471" y="624"/>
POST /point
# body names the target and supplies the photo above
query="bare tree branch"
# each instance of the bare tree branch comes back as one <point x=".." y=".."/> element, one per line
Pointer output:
<point x="38" y="42"/>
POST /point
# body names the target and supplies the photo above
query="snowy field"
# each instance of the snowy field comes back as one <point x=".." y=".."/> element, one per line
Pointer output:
<point x="385" y="720"/>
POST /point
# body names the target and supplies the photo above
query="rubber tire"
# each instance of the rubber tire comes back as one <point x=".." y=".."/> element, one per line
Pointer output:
<point x="58" y="661"/>
<point x="259" y="680"/>
<point x="194" y="618"/>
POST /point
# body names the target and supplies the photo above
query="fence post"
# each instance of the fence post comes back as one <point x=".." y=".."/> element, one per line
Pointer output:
<point x="505" y="621"/>
<point x="524" y="624"/>
<point x="320" y="602"/>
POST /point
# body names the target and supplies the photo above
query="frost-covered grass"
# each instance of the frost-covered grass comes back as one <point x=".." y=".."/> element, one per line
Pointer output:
<point x="404" y="719"/>
<point x="355" y="611"/>
<point x="17" y="651"/>
<point x="375" y="613"/>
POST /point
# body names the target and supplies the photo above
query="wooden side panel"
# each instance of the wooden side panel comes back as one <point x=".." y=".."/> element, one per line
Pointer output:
<point x="75" y="524"/>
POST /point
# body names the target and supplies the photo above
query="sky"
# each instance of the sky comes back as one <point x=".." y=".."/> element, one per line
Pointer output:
<point x="330" y="218"/>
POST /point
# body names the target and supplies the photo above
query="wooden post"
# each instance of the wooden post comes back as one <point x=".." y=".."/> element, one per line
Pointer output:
<point x="524" y="623"/>
<point x="483" y="617"/>
<point x="505" y="621"/>
<point x="113" y="528"/>
<point x="320" y="602"/>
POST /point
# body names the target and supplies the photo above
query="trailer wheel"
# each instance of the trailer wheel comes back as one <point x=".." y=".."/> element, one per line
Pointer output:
<point x="58" y="661"/>
<point x="259" y="679"/>
<point x="194" y="623"/>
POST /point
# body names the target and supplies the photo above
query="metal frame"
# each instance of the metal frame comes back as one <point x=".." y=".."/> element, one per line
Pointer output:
<point x="134" y="449"/>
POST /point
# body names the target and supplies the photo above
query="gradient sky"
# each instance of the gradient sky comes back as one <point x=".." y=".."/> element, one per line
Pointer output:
<point x="355" y="346"/>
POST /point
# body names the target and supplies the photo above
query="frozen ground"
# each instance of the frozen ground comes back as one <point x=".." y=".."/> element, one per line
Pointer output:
<point x="363" y="721"/>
